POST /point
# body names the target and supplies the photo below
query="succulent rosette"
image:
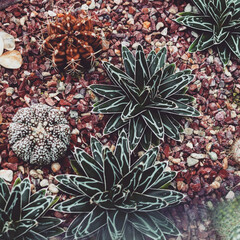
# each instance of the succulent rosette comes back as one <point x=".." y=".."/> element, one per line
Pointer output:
<point x="22" y="214"/>
<point x="117" y="199"/>
<point x="218" y="24"/>
<point x="147" y="99"/>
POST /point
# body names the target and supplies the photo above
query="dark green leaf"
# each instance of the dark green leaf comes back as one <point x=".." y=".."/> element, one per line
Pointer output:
<point x="136" y="130"/>
<point x="202" y="23"/>
<point x="154" y="122"/>
<point x="91" y="223"/>
<point x="79" y="204"/>
<point x="96" y="148"/>
<point x="141" y="69"/>
<point x="148" y="159"/>
<point x="37" y="208"/>
<point x="4" y="190"/>
<point x="165" y="179"/>
<point x="112" y="171"/>
<point x="108" y="91"/>
<point x="113" y="124"/>
<point x="122" y="153"/>
<point x="116" y="221"/>
<point x="158" y="62"/>
<point x="144" y="224"/>
<point x="111" y="106"/>
<point x="129" y="61"/>
<point x="89" y="165"/>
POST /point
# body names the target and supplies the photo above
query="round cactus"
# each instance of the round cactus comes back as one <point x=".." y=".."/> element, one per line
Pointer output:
<point x="39" y="134"/>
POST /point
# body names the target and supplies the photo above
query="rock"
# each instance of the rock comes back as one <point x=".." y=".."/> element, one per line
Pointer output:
<point x="1" y="46"/>
<point x="173" y="9"/>
<point x="55" y="167"/>
<point x="188" y="8"/>
<point x="146" y="24"/>
<point x="118" y="2"/>
<point x="164" y="32"/>
<point x="9" y="91"/>
<point x="6" y="175"/>
<point x="213" y="156"/>
<point x="236" y="151"/>
<point x="11" y="59"/>
<point x="230" y="195"/>
<point x="220" y="116"/>
<point x="44" y="183"/>
<point x="198" y="155"/>
<point x="33" y="173"/>
<point x="159" y="25"/>
<point x="192" y="161"/>
<point x="188" y="131"/>
<point x="215" y="185"/>
<point x="8" y="40"/>
<point x="53" y="188"/>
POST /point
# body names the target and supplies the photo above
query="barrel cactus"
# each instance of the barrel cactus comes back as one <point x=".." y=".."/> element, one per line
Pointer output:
<point x="21" y="214"/>
<point x="116" y="199"/>
<point x="39" y="134"/>
<point x="148" y="98"/>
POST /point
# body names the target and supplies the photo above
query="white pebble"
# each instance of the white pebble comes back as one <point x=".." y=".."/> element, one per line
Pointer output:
<point x="55" y="167"/>
<point x="6" y="175"/>
<point x="53" y="188"/>
<point x="33" y="173"/>
<point x="44" y="183"/>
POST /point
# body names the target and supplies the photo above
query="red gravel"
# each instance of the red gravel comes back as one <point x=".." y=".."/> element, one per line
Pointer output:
<point x="133" y="21"/>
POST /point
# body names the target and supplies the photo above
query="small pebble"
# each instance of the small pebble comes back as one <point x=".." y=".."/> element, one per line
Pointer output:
<point x="44" y="183"/>
<point x="213" y="156"/>
<point x="55" y="167"/>
<point x="198" y="155"/>
<point x="53" y="188"/>
<point x="192" y="161"/>
<point x="33" y="173"/>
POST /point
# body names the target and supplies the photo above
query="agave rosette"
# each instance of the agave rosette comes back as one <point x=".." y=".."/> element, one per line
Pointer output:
<point x="21" y="214"/>
<point x="147" y="99"/>
<point x="116" y="199"/>
<point x="219" y="24"/>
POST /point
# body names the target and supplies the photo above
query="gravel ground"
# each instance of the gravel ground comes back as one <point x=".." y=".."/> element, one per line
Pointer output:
<point x="204" y="158"/>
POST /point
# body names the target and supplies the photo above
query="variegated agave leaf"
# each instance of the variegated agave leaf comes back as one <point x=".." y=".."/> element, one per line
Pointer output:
<point x="116" y="199"/>
<point x="218" y="24"/>
<point x="21" y="214"/>
<point x="147" y="99"/>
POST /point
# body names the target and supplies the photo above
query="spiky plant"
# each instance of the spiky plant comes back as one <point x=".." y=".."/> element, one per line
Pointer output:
<point x="225" y="218"/>
<point x="148" y="98"/>
<point x="21" y="214"/>
<point x="116" y="199"/>
<point x="218" y="24"/>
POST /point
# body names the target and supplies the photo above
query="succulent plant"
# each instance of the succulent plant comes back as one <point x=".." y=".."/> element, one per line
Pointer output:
<point x="116" y="199"/>
<point x="72" y="42"/>
<point x="39" y="134"/>
<point x="148" y="98"/>
<point x="225" y="218"/>
<point x="21" y="214"/>
<point x="218" y="24"/>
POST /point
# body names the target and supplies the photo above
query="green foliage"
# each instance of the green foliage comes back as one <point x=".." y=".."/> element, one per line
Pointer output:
<point x="226" y="217"/>
<point x="219" y="24"/>
<point x="21" y="214"/>
<point x="116" y="199"/>
<point x="147" y="99"/>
